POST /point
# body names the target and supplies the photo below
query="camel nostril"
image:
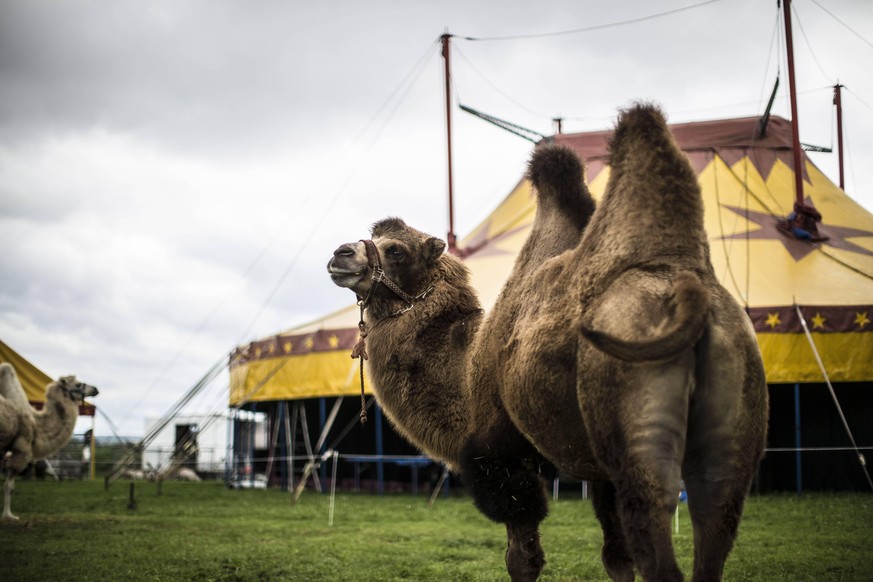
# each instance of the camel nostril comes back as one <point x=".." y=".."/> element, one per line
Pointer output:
<point x="346" y="250"/>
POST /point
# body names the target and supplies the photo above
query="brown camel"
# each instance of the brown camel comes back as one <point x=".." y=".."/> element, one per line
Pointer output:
<point x="618" y="358"/>
<point x="27" y="434"/>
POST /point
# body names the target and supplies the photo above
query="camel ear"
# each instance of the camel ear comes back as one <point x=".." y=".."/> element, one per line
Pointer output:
<point x="433" y="248"/>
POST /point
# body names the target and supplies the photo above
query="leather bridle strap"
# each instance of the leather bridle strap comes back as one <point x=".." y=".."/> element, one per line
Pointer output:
<point x="380" y="276"/>
<point x="372" y="254"/>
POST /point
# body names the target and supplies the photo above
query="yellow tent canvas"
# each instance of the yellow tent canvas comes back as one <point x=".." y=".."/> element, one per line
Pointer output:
<point x="747" y="183"/>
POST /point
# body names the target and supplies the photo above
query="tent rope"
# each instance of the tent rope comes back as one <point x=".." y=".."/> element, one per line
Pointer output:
<point x="724" y="240"/>
<point x="824" y="372"/>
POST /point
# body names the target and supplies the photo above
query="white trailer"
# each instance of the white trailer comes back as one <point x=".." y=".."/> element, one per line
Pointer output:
<point x="205" y="438"/>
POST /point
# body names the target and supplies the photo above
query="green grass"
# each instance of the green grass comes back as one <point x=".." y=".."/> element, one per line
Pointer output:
<point x="201" y="531"/>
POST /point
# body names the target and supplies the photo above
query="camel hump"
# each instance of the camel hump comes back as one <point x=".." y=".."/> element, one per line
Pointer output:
<point x="558" y="177"/>
<point x="640" y="123"/>
<point x="10" y="386"/>
<point x="555" y="169"/>
<point x="684" y="315"/>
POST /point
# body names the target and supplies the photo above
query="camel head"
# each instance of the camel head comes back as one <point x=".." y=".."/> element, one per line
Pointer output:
<point x="397" y="256"/>
<point x="75" y="390"/>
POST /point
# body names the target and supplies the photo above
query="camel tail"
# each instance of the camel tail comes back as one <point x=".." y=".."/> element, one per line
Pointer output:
<point x="687" y="311"/>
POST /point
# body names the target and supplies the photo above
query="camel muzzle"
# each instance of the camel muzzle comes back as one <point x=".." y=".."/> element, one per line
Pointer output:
<point x="80" y="391"/>
<point x="347" y="267"/>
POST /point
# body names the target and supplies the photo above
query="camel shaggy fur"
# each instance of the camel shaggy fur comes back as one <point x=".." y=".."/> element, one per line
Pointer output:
<point x="27" y="434"/>
<point x="613" y="353"/>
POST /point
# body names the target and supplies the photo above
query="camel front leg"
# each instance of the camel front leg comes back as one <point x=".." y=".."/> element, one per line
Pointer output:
<point x="8" y="488"/>
<point x="500" y="469"/>
<point x="524" y="554"/>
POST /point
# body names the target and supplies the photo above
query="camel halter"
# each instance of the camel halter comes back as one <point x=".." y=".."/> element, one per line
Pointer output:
<point x="379" y="276"/>
<point x="75" y="393"/>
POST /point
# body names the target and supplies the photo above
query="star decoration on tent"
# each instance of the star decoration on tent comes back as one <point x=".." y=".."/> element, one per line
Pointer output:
<point x="773" y="320"/>
<point x="861" y="319"/>
<point x="818" y="321"/>
<point x="798" y="249"/>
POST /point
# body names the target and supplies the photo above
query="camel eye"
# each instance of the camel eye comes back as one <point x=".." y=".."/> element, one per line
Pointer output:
<point x="394" y="253"/>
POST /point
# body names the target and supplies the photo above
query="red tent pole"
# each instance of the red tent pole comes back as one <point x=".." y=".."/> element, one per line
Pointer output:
<point x="792" y="91"/>
<point x="838" y="101"/>
<point x="445" y="38"/>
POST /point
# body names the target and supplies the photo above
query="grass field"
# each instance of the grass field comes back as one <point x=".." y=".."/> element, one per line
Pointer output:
<point x="202" y="531"/>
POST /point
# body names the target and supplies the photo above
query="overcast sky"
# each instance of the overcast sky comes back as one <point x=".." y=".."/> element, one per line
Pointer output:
<point x="175" y="175"/>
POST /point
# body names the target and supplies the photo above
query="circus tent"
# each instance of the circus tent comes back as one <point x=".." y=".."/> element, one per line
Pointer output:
<point x="747" y="181"/>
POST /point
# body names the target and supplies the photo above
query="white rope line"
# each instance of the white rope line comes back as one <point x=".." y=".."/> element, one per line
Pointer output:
<point x="360" y="458"/>
<point x="815" y="449"/>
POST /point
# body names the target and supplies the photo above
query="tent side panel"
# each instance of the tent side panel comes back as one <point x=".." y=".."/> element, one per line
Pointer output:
<point x="311" y="375"/>
<point x="32" y="379"/>
<point x="788" y="357"/>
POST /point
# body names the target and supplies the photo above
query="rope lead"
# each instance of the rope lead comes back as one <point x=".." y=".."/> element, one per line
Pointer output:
<point x="360" y="351"/>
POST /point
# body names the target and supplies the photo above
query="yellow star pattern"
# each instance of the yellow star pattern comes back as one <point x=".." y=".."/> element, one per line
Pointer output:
<point x="257" y="352"/>
<point x="287" y="347"/>
<point x="818" y="321"/>
<point x="333" y="341"/>
<point x="773" y="319"/>
<point x="271" y="349"/>
<point x="309" y="343"/>
<point x="861" y="319"/>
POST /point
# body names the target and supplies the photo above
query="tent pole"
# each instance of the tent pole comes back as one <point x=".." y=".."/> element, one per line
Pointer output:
<point x="322" y="416"/>
<point x="838" y="101"/>
<point x="230" y="449"/>
<point x="275" y="419"/>
<point x="294" y="416"/>
<point x="251" y="439"/>
<point x="289" y="449"/>
<point x="792" y="92"/>
<point x="797" y="440"/>
<point x="309" y="469"/>
<point x="445" y="39"/>
<point x="93" y="446"/>
<point x="312" y="459"/>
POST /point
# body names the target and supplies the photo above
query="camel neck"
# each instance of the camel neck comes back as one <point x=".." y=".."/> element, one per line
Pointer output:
<point x="54" y="425"/>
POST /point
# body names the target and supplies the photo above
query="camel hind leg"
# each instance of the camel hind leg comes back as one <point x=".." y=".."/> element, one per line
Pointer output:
<point x="500" y="469"/>
<point x="637" y="418"/>
<point x="715" y="509"/>
<point x="726" y="434"/>
<point x="646" y="522"/>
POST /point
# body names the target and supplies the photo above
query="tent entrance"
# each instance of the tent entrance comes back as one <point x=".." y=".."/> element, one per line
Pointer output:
<point x="185" y="448"/>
